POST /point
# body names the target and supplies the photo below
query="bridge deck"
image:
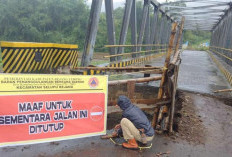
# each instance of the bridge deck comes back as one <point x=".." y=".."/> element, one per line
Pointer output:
<point x="199" y="73"/>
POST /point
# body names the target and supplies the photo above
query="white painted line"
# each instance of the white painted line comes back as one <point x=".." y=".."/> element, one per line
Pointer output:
<point x="96" y="113"/>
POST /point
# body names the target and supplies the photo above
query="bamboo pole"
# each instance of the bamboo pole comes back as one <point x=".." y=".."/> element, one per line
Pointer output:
<point x="131" y="89"/>
<point x="155" y="117"/>
<point x="223" y="90"/>
<point x="128" y="54"/>
<point x="175" y="58"/>
<point x="119" y="68"/>
<point x="155" y="71"/>
<point x="167" y="60"/>
<point x="173" y="98"/>
<point x="179" y="35"/>
<point x="156" y="102"/>
<point x="133" y="45"/>
<point x="176" y="71"/>
<point x="139" y="80"/>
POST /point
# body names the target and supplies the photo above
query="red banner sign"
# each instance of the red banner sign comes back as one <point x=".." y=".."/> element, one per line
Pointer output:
<point x="49" y="117"/>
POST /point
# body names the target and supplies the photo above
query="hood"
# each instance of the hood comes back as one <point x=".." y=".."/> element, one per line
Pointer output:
<point x="124" y="102"/>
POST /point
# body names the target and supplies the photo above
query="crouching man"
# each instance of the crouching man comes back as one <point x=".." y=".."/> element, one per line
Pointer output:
<point x="134" y="125"/>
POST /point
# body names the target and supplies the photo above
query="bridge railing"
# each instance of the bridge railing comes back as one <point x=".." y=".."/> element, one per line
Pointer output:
<point x="224" y="53"/>
<point x="220" y="44"/>
<point x="223" y="60"/>
<point x="155" y="28"/>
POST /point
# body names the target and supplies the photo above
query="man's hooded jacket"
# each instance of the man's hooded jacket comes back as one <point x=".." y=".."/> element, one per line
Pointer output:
<point x="135" y="115"/>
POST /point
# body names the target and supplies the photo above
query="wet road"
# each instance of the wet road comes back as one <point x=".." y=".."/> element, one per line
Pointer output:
<point x="218" y="139"/>
<point x="199" y="73"/>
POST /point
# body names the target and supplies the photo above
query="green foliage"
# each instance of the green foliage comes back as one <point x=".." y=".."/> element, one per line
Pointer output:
<point x="196" y="37"/>
<point x="57" y="21"/>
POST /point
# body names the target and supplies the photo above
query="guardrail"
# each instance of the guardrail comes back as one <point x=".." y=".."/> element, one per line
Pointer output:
<point x="227" y="74"/>
<point x="224" y="53"/>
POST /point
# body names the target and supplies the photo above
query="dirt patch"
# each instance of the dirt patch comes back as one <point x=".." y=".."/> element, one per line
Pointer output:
<point x="188" y="124"/>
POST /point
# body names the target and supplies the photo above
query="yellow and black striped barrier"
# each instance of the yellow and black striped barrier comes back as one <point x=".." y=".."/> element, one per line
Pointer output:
<point x="227" y="74"/>
<point x="124" y="63"/>
<point x="22" y="57"/>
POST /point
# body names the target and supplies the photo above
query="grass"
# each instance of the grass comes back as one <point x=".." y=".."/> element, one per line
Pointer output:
<point x="95" y="62"/>
<point x="198" y="48"/>
<point x="98" y="62"/>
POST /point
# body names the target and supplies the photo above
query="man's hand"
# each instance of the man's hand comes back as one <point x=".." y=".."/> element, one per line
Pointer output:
<point x="141" y="130"/>
<point x="143" y="136"/>
<point x="118" y="126"/>
<point x="114" y="134"/>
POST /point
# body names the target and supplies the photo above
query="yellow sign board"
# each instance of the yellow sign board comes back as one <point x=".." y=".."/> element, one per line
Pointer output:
<point x="44" y="108"/>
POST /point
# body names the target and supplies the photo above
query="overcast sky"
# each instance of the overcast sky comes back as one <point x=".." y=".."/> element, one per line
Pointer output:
<point x="124" y="1"/>
<point x="119" y="3"/>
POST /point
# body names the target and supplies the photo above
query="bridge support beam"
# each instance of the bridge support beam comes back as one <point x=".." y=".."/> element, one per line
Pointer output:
<point x="124" y="29"/>
<point x="91" y="32"/>
<point x="110" y="27"/>
<point x="154" y="26"/>
<point x="143" y="23"/>
<point x="134" y="28"/>
<point x="147" y="30"/>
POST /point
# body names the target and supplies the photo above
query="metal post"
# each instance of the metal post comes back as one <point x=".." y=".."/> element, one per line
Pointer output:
<point x="147" y="30"/>
<point x="157" y="34"/>
<point x="124" y="29"/>
<point x="164" y="30"/>
<point x="161" y="28"/>
<point x="91" y="32"/>
<point x="143" y="23"/>
<point x="154" y="26"/>
<point x="110" y="27"/>
<point x="134" y="28"/>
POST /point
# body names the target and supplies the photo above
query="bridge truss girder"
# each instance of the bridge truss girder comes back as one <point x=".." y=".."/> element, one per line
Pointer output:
<point x="153" y="30"/>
